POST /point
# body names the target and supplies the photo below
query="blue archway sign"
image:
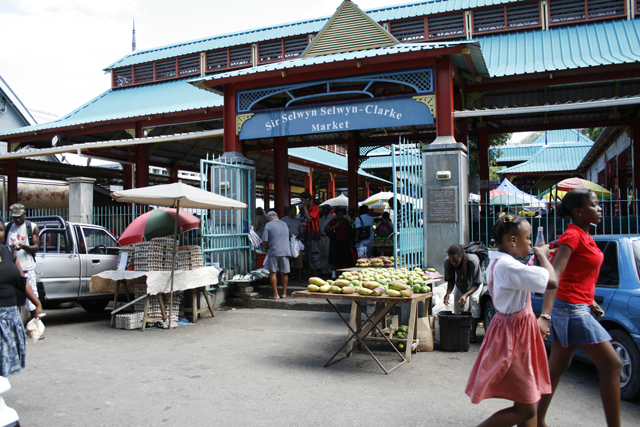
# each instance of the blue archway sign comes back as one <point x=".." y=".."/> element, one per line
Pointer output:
<point x="338" y="117"/>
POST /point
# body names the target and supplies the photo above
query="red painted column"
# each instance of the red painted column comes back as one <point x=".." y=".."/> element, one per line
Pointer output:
<point x="635" y="141"/>
<point x="231" y="141"/>
<point x="12" y="181"/>
<point x="308" y="182"/>
<point x="127" y="171"/>
<point x="280" y="175"/>
<point x="366" y="190"/>
<point x="352" y="174"/>
<point x="331" y="185"/>
<point x="142" y="160"/>
<point x="267" y="194"/>
<point x="444" y="97"/>
<point x="483" y="159"/>
<point x="174" y="173"/>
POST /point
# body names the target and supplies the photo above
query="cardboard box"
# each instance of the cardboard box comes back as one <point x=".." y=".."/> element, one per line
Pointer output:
<point x="425" y="333"/>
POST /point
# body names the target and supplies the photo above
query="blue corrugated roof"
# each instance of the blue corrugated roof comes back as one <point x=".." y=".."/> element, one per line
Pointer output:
<point x="558" y="157"/>
<point x="385" y="162"/>
<point x="381" y="14"/>
<point x="562" y="48"/>
<point x="337" y="57"/>
<point x="524" y="152"/>
<point x="321" y="156"/>
<point x="159" y="98"/>
<point x="516" y="152"/>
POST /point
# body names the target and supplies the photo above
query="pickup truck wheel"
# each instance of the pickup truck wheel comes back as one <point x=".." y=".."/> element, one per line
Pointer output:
<point x="629" y="354"/>
<point x="487" y="313"/>
<point x="94" y="306"/>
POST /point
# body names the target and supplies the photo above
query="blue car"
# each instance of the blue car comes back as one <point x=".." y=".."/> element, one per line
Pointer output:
<point x="618" y="293"/>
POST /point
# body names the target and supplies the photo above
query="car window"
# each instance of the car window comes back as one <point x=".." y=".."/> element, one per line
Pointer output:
<point x="636" y="254"/>
<point x="54" y="242"/>
<point x="97" y="241"/>
<point x="609" y="276"/>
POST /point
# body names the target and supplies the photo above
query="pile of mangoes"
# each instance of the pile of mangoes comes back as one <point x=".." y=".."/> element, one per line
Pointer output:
<point x="379" y="261"/>
<point x="375" y="282"/>
<point x="401" y="333"/>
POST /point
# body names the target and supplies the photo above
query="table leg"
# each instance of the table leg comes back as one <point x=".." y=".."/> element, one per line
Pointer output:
<point x="413" y="319"/>
<point x="162" y="308"/>
<point x="194" y="309"/>
<point x="115" y="301"/>
<point x="352" y="324"/>
<point x="206" y="296"/>
<point x="146" y="312"/>
<point x="355" y="334"/>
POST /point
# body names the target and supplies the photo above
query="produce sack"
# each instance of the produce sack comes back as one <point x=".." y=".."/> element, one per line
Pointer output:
<point x="425" y="333"/>
<point x="35" y="329"/>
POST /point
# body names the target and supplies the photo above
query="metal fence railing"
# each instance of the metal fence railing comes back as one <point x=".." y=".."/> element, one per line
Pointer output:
<point x="62" y="212"/>
<point x="620" y="215"/>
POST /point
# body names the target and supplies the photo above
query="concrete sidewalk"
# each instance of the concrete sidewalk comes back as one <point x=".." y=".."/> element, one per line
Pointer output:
<point x="250" y="367"/>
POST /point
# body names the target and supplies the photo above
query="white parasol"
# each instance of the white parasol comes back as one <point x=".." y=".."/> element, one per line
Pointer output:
<point x="168" y="195"/>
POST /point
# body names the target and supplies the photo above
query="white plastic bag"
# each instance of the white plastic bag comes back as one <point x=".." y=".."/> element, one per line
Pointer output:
<point x="300" y="245"/>
<point x="256" y="241"/>
<point x="293" y="245"/>
<point x="35" y="329"/>
<point x="362" y="251"/>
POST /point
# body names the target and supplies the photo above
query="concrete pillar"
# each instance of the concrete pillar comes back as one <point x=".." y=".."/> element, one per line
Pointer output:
<point x="446" y="192"/>
<point x="81" y="199"/>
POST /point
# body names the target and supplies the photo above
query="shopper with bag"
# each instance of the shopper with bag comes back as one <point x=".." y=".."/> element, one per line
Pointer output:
<point x="340" y="247"/>
<point x="512" y="362"/>
<point x="364" y="232"/>
<point x="569" y="312"/>
<point x="12" y="286"/>
<point x="276" y="242"/>
<point x="296" y="232"/>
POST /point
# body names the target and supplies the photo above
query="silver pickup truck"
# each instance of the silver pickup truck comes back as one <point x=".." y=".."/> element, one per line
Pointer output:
<point x="69" y="255"/>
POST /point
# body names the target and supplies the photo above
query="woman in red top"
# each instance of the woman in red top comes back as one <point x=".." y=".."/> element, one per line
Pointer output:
<point x="568" y="311"/>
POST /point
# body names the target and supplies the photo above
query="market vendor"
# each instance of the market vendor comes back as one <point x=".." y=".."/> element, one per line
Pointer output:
<point x="464" y="277"/>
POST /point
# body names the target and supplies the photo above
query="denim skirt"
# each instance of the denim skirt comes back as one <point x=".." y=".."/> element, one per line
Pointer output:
<point x="573" y="324"/>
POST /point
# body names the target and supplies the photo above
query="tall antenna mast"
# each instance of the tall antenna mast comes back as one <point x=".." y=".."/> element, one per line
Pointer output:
<point x="133" y="43"/>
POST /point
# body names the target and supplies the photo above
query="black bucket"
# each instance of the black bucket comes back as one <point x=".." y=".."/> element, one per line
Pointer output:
<point x="455" y="331"/>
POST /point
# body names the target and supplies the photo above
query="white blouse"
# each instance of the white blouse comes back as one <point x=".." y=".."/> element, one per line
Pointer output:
<point x="512" y="281"/>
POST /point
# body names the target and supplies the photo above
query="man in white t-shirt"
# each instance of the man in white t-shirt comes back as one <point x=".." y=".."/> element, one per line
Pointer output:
<point x="24" y="237"/>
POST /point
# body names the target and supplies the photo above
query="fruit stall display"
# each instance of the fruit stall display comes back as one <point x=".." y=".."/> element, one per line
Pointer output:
<point x="376" y="282"/>
<point x="379" y="261"/>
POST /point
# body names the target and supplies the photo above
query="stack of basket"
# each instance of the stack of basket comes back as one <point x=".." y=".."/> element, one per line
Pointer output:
<point x="148" y="256"/>
<point x="130" y="251"/>
<point x="195" y="255"/>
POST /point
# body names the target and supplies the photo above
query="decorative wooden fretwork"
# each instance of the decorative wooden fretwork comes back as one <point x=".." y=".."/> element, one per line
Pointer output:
<point x="240" y="119"/>
<point x="429" y="101"/>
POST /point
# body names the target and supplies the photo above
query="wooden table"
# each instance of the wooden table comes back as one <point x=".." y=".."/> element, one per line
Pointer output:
<point x="359" y="332"/>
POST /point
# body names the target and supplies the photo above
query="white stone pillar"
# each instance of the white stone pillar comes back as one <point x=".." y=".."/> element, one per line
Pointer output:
<point x="81" y="199"/>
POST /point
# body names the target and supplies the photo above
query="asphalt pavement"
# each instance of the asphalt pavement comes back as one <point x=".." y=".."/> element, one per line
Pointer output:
<point x="255" y="367"/>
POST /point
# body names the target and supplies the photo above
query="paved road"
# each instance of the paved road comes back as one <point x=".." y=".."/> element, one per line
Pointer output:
<point x="255" y="367"/>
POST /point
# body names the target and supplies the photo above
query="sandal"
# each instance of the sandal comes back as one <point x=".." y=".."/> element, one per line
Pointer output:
<point x="274" y="297"/>
<point x="283" y="296"/>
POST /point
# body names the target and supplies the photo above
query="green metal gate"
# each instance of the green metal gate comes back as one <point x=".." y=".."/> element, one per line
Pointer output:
<point x="408" y="210"/>
<point x="225" y="234"/>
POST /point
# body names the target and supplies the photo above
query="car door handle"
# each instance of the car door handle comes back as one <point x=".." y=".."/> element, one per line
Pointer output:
<point x="599" y="299"/>
<point x="95" y="261"/>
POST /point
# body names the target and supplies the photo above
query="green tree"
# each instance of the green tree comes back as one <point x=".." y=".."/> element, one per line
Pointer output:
<point x="495" y="140"/>
<point x="592" y="133"/>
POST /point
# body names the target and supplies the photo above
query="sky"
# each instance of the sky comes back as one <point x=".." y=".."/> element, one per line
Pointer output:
<point x="53" y="51"/>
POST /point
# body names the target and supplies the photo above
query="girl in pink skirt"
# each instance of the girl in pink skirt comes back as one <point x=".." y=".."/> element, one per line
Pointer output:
<point x="512" y="362"/>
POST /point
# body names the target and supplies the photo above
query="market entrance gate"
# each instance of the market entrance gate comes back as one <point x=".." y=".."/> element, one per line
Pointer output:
<point x="409" y="238"/>
<point x="225" y="234"/>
